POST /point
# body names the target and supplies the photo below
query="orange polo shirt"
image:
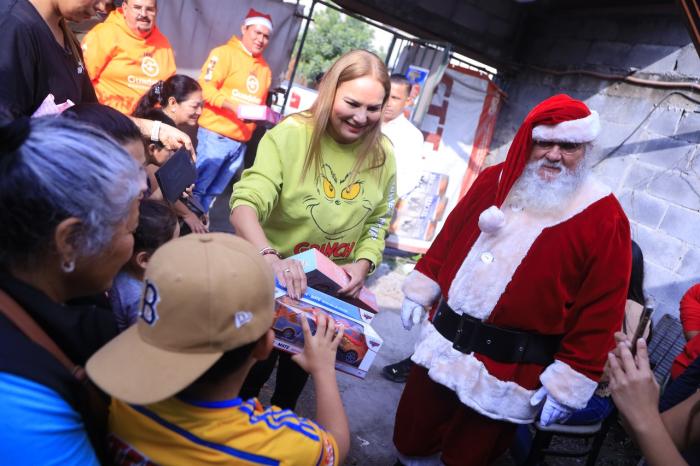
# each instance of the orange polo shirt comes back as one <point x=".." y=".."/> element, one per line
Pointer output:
<point x="123" y="65"/>
<point x="232" y="73"/>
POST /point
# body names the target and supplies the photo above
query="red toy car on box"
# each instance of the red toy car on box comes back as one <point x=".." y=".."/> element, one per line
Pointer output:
<point x="287" y="325"/>
<point x="357" y="348"/>
<point x="353" y="346"/>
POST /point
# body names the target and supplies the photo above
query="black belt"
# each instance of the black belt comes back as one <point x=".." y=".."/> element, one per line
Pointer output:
<point x="469" y="334"/>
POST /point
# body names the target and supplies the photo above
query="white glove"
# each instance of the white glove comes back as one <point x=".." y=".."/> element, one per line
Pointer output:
<point x="411" y="313"/>
<point x="552" y="411"/>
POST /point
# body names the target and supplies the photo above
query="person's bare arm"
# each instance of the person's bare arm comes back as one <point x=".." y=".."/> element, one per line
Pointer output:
<point x="289" y="272"/>
<point x="318" y="359"/>
<point x="244" y="220"/>
<point x="189" y="218"/>
<point x="171" y="137"/>
<point x="636" y="395"/>
<point x="682" y="422"/>
<point x="657" y="445"/>
<point x="358" y="274"/>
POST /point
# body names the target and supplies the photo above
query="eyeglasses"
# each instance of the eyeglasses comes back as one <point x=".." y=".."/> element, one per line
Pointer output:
<point x="564" y="147"/>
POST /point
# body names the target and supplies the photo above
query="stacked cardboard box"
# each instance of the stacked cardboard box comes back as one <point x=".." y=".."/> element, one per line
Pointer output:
<point x="418" y="213"/>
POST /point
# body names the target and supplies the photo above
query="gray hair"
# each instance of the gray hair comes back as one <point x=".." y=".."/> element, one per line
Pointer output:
<point x="63" y="169"/>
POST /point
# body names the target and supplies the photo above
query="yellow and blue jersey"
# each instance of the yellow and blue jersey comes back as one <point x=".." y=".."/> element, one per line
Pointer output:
<point x="233" y="432"/>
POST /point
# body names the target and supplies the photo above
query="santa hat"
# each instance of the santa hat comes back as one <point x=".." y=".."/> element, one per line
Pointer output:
<point x="558" y="118"/>
<point x="256" y="17"/>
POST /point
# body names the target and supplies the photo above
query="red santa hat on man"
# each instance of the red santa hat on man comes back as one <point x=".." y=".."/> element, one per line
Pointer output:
<point x="558" y="118"/>
<point x="256" y="17"/>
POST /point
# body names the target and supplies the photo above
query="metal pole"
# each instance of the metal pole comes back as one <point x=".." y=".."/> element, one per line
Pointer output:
<point x="296" y="61"/>
<point x="391" y="49"/>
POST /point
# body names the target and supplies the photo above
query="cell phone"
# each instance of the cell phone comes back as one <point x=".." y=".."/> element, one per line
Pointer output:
<point x="639" y="332"/>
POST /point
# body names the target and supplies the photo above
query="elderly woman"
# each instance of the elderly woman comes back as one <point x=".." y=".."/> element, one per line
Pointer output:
<point x="69" y="199"/>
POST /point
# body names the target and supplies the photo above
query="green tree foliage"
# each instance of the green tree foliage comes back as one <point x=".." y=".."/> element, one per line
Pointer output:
<point x="330" y="35"/>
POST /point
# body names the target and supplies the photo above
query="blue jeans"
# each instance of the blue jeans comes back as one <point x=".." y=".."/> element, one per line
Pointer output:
<point x="218" y="160"/>
<point x="597" y="409"/>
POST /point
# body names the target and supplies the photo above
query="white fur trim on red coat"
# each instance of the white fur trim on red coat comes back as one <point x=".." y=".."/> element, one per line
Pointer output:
<point x="490" y="264"/>
<point x="420" y="289"/>
<point x="471" y="380"/>
<point x="581" y="130"/>
<point x="568" y="386"/>
<point x="491" y="220"/>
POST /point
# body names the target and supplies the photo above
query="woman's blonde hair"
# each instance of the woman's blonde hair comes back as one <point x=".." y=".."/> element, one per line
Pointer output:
<point x="352" y="65"/>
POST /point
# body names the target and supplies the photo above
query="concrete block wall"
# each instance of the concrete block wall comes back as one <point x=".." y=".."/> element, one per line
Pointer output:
<point x="656" y="171"/>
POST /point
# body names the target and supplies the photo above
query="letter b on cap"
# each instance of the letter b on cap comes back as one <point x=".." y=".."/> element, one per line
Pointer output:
<point x="149" y="311"/>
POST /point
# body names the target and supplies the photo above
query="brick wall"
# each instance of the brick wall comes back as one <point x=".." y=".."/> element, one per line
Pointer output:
<point x="656" y="173"/>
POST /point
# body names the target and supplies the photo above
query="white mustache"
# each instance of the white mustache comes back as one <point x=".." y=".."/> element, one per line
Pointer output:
<point x="549" y="164"/>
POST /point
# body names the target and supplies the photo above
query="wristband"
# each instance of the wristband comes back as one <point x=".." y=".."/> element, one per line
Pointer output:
<point x="270" y="250"/>
<point x="155" y="131"/>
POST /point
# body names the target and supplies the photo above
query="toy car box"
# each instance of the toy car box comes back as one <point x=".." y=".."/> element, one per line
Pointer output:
<point x="360" y="342"/>
<point x="322" y="274"/>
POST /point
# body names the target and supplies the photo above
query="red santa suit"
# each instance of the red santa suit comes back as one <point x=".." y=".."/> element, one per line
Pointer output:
<point x="690" y="317"/>
<point x="562" y="272"/>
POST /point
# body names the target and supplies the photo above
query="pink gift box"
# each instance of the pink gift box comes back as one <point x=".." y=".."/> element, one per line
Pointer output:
<point x="324" y="275"/>
<point x="257" y="113"/>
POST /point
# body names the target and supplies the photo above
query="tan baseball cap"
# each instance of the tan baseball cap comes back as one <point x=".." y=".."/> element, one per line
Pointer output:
<point x="203" y="295"/>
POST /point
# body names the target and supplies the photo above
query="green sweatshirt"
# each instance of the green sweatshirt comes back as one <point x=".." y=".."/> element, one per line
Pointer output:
<point x="343" y="218"/>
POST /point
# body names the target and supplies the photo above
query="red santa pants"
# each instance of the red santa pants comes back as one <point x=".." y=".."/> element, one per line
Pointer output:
<point x="430" y="419"/>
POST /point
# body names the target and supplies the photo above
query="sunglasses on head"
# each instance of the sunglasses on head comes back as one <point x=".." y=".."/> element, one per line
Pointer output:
<point x="567" y="147"/>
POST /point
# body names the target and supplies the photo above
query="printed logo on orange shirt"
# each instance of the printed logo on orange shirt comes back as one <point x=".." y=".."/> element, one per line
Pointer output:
<point x="149" y="66"/>
<point x="252" y="84"/>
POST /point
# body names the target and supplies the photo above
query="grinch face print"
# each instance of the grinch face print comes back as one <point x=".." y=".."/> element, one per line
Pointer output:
<point x="339" y="204"/>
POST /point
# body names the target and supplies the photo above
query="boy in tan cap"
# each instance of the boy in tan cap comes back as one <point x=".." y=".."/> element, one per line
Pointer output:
<point x="206" y="318"/>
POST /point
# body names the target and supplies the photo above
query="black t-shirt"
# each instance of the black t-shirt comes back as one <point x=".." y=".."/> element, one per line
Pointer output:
<point x="33" y="64"/>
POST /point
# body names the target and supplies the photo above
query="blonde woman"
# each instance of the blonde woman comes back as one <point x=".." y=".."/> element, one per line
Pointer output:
<point x="321" y="179"/>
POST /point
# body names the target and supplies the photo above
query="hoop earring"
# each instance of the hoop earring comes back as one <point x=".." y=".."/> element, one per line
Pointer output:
<point x="68" y="266"/>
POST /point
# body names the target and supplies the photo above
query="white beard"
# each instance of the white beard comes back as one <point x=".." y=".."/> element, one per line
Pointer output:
<point x="535" y="193"/>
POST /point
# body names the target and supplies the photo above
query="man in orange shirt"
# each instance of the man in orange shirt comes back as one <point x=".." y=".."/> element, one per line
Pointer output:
<point x="127" y="54"/>
<point x="235" y="73"/>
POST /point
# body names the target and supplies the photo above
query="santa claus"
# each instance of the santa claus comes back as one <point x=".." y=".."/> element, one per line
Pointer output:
<point x="525" y="286"/>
